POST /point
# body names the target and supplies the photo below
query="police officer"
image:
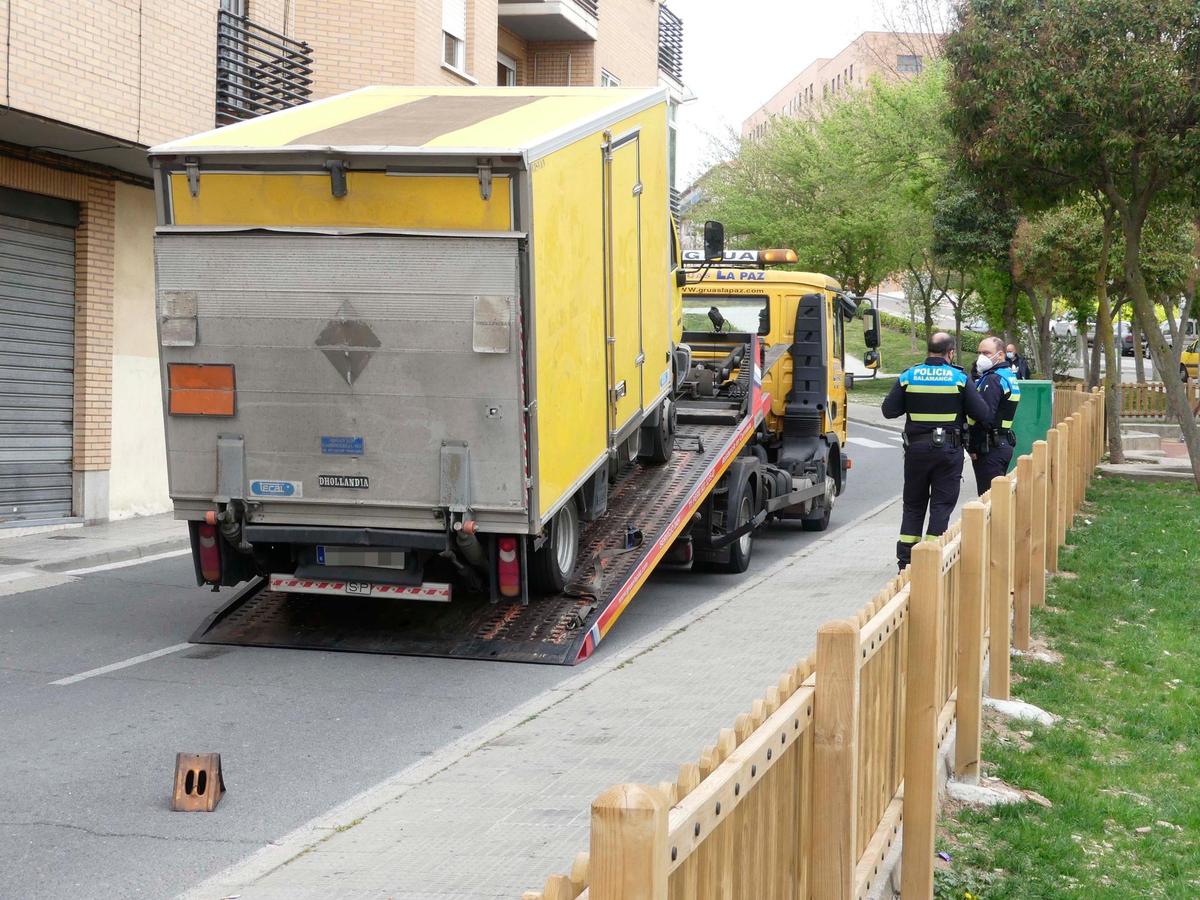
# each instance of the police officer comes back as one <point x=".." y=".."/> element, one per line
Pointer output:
<point x="937" y="397"/>
<point x="991" y="439"/>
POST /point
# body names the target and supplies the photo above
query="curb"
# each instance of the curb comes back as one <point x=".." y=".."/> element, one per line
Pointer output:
<point x="281" y="851"/>
<point x="122" y="554"/>
<point x="899" y="429"/>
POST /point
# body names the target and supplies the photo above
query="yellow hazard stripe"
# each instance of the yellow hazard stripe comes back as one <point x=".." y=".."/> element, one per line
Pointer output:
<point x="932" y="388"/>
<point x="933" y="417"/>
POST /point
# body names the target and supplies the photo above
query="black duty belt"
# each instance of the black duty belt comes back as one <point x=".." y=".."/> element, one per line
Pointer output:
<point x="949" y="438"/>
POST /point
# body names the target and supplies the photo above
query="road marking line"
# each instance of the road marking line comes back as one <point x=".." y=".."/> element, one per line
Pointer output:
<point x="126" y="563"/>
<point x="123" y="664"/>
<point x="868" y="442"/>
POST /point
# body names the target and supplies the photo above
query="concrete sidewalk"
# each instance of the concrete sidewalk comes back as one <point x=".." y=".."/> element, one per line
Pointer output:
<point x="35" y="558"/>
<point x="497" y="812"/>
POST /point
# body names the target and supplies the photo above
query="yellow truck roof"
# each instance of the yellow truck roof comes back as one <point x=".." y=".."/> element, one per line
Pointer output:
<point x="530" y="121"/>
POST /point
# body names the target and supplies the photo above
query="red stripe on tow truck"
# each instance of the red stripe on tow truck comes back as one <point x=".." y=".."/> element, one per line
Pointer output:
<point x="762" y="402"/>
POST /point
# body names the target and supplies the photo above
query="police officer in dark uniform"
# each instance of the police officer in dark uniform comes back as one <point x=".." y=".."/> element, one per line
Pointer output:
<point x="937" y="397"/>
<point x="991" y="439"/>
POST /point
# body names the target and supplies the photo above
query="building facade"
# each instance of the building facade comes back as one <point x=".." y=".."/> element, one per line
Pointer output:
<point x="88" y="85"/>
<point x="881" y="54"/>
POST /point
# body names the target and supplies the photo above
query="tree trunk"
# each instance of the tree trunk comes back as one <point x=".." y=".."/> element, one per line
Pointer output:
<point x="958" y="327"/>
<point x="1143" y="312"/>
<point x="1104" y="340"/>
<point x="1093" y="358"/>
<point x="1139" y="362"/>
<point x="1011" y="327"/>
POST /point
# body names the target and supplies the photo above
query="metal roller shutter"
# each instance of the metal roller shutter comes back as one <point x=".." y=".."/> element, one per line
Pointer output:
<point x="37" y="360"/>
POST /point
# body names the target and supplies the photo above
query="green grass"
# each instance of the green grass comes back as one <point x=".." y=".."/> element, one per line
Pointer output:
<point x="1127" y="753"/>
<point x="897" y="350"/>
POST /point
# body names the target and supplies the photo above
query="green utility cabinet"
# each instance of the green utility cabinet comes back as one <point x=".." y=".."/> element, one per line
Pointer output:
<point x="1035" y="414"/>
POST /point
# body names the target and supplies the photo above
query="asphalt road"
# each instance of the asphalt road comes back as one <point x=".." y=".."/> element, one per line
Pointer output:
<point x="88" y="765"/>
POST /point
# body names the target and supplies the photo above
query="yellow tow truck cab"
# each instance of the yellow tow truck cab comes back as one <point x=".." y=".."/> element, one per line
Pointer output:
<point x="801" y="319"/>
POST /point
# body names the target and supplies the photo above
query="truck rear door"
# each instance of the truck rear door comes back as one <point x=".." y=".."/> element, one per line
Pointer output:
<point x="356" y="360"/>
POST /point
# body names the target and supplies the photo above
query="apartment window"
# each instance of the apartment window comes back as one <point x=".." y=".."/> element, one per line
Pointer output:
<point x="608" y="79"/>
<point x="236" y="7"/>
<point x="851" y="71"/>
<point x="454" y="34"/>
<point x="506" y="71"/>
<point x="908" y="65"/>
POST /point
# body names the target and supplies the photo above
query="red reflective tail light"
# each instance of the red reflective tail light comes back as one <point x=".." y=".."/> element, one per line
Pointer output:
<point x="508" y="567"/>
<point x="210" y="554"/>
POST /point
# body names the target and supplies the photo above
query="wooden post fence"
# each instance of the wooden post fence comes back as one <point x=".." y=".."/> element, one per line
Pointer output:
<point x="972" y="588"/>
<point x="1022" y="520"/>
<point x="1038" y="526"/>
<point x="1000" y="585"/>
<point x="835" y="754"/>
<point x="809" y="790"/>
<point x="922" y="709"/>
<point x="1053" y="480"/>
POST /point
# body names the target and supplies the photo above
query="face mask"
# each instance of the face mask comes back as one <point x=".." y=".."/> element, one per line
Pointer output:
<point x="983" y="363"/>
<point x="1010" y="356"/>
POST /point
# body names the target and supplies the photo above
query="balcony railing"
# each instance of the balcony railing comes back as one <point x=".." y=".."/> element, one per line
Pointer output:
<point x="259" y="71"/>
<point x="592" y="7"/>
<point x="670" y="43"/>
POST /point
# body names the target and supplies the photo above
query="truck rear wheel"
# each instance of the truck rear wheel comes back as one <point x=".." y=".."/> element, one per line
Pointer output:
<point x="658" y="440"/>
<point x="741" y="549"/>
<point x="820" y="521"/>
<point x="552" y="565"/>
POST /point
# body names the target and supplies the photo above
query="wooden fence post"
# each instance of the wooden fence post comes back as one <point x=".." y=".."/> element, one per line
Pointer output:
<point x="921" y="719"/>
<point x="1037" y="543"/>
<point x="1063" y="478"/>
<point x="1000" y="548"/>
<point x="629" y="855"/>
<point x="835" y="760"/>
<point x="1053" y="477"/>
<point x="1022" y="557"/>
<point x="972" y="589"/>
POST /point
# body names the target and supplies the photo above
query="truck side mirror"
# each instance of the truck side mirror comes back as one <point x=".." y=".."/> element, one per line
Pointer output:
<point x="871" y="328"/>
<point x="680" y="278"/>
<point x="871" y="360"/>
<point x="714" y="241"/>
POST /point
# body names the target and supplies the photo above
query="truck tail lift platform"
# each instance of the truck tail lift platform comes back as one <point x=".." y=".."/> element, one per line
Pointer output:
<point x="649" y="507"/>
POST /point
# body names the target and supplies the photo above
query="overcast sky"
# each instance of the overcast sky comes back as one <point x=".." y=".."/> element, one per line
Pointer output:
<point x="736" y="55"/>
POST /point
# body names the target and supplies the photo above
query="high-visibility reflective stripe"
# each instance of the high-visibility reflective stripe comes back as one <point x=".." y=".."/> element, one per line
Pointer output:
<point x="970" y="421"/>
<point x="932" y="537"/>
<point x="910" y="538"/>
<point x="933" y="417"/>
<point x="1006" y="424"/>
<point x="933" y="388"/>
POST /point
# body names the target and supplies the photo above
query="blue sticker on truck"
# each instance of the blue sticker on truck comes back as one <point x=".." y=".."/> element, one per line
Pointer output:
<point x="341" y="445"/>
<point x="277" y="488"/>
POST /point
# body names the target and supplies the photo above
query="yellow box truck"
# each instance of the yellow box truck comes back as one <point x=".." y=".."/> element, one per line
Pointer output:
<point x="425" y="381"/>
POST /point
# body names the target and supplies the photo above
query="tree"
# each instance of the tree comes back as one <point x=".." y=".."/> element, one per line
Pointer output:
<point x="1055" y="97"/>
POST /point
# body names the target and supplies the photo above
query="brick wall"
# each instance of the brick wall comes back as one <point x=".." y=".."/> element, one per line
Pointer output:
<point x="515" y="46"/>
<point x="563" y="62"/>
<point x="627" y="42"/>
<point x="363" y="42"/>
<point x="102" y="65"/>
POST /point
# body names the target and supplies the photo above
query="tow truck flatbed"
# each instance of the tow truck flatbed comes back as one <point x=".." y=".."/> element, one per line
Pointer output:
<point x="657" y="501"/>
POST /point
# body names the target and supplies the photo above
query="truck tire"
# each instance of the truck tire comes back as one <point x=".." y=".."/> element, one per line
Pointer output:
<point x="658" y="440"/>
<point x="741" y="549"/>
<point x="551" y="566"/>
<point x="820" y="521"/>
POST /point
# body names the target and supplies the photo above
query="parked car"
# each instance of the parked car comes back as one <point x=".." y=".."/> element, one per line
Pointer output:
<point x="1189" y="330"/>
<point x="1189" y="361"/>
<point x="1064" y="327"/>
<point x="1124" y="337"/>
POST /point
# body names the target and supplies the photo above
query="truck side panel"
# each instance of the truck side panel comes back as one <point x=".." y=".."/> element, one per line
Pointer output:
<point x="568" y="269"/>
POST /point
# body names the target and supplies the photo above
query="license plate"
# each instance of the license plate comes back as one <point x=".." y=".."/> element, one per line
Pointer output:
<point x="358" y="587"/>
<point x="372" y="559"/>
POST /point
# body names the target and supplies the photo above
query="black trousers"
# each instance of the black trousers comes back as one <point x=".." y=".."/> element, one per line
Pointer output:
<point x="932" y="476"/>
<point x="990" y="466"/>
